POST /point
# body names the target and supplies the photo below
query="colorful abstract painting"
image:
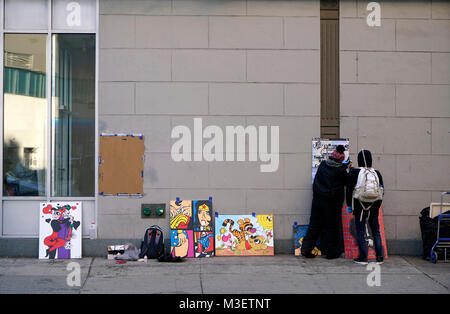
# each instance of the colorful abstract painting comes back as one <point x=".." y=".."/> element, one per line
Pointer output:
<point x="299" y="234"/>
<point x="182" y="243"/>
<point x="349" y="231"/>
<point x="241" y="235"/>
<point x="181" y="215"/>
<point x="60" y="231"/>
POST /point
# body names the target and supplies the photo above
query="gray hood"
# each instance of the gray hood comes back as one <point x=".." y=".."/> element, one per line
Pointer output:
<point x="332" y="163"/>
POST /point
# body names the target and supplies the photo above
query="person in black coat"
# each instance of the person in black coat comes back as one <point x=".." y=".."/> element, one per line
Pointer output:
<point x="328" y="198"/>
<point x="361" y="216"/>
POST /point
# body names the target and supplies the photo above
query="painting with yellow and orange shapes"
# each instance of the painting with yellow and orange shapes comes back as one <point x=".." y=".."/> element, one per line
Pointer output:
<point x="180" y="214"/>
<point x="244" y="235"/>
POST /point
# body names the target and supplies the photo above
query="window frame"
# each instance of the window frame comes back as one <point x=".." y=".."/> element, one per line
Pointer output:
<point x="49" y="32"/>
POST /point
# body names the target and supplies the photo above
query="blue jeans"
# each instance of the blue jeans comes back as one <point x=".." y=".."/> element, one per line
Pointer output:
<point x="361" y="233"/>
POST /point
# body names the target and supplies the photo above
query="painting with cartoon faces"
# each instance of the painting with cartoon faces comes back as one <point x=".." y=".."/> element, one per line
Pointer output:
<point x="180" y="214"/>
<point x="203" y="215"/>
<point x="241" y="235"/>
<point x="204" y="243"/>
<point x="60" y="231"/>
<point x="182" y="243"/>
<point x="192" y="228"/>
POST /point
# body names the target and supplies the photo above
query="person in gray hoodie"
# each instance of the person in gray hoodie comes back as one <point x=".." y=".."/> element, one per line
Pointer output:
<point x="328" y="198"/>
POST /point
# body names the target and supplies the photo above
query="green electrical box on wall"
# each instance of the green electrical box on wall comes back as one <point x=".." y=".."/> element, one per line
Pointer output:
<point x="153" y="210"/>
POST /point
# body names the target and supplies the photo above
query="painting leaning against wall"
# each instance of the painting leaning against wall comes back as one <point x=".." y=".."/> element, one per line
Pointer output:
<point x="60" y="230"/>
<point x="241" y="235"/>
<point x="180" y="214"/>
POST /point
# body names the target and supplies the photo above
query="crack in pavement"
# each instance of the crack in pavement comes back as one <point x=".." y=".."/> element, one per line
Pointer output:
<point x="87" y="276"/>
<point x="426" y="274"/>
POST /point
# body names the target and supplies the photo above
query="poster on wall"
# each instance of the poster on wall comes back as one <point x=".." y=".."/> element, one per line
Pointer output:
<point x="60" y="231"/>
<point x="242" y="235"/>
<point x="323" y="147"/>
<point x="349" y="231"/>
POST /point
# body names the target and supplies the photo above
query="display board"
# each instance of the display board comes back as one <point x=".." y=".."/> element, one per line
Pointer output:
<point x="323" y="147"/>
<point x="60" y="231"/>
<point x="121" y="164"/>
<point x="349" y="231"/>
<point x="241" y="235"/>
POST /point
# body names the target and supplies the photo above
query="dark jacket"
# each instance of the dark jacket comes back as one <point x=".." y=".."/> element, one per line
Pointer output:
<point x="352" y="179"/>
<point x="330" y="179"/>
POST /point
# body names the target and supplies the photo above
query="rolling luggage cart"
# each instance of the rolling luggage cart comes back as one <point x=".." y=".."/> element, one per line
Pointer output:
<point x="441" y="243"/>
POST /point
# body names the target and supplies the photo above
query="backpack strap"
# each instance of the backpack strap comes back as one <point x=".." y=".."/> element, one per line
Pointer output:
<point x="144" y="244"/>
<point x="367" y="209"/>
<point x="364" y="156"/>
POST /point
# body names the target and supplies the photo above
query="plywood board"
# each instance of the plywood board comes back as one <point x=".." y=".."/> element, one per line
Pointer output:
<point x="60" y="230"/>
<point x="121" y="165"/>
<point x="241" y="235"/>
<point x="349" y="231"/>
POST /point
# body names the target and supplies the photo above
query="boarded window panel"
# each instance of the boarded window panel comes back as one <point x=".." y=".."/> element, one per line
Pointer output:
<point x="121" y="168"/>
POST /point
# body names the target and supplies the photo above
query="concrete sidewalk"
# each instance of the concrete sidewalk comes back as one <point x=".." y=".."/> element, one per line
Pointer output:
<point x="284" y="274"/>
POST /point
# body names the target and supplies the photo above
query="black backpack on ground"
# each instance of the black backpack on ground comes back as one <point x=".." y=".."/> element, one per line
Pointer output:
<point x="152" y="244"/>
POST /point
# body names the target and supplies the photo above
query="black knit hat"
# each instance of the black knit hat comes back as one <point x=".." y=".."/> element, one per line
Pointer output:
<point x="366" y="159"/>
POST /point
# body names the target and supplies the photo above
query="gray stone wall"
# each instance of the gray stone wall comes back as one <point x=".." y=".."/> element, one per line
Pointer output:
<point x="395" y="101"/>
<point x="257" y="62"/>
<point x="163" y="63"/>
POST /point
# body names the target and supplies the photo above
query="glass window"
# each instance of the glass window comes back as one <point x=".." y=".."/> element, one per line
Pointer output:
<point x="73" y="103"/>
<point x="77" y="15"/>
<point x="26" y="14"/>
<point x="25" y="115"/>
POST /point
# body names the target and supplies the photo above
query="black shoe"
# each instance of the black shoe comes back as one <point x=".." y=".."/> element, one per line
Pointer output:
<point x="308" y="254"/>
<point x="380" y="260"/>
<point x="360" y="261"/>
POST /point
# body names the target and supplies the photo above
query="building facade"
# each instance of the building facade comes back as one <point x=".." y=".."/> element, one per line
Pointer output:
<point x="312" y="69"/>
